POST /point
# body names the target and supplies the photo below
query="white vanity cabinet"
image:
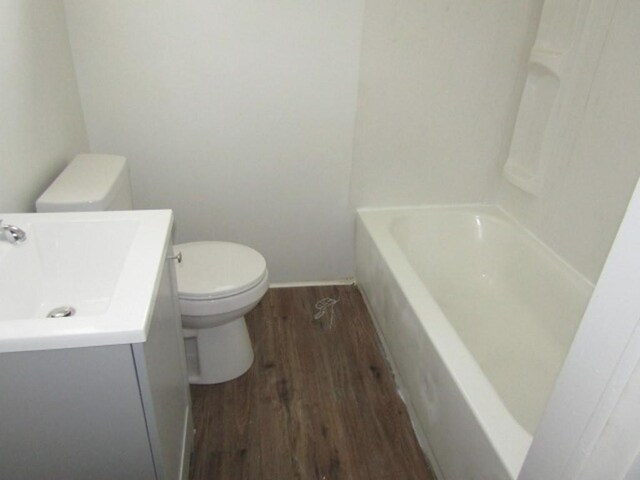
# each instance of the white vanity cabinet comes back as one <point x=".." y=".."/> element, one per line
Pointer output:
<point x="118" y="411"/>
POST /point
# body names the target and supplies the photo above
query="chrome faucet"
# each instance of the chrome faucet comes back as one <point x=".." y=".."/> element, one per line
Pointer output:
<point x="13" y="234"/>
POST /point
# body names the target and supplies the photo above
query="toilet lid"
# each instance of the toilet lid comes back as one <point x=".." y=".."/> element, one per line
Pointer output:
<point x="217" y="269"/>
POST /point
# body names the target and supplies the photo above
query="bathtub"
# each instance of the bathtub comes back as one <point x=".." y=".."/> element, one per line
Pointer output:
<point x="476" y="316"/>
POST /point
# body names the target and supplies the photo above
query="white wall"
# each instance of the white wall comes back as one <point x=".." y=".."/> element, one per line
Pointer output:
<point x="590" y="428"/>
<point x="41" y="123"/>
<point x="439" y="90"/>
<point x="585" y="194"/>
<point x="237" y="115"/>
<point x="616" y="450"/>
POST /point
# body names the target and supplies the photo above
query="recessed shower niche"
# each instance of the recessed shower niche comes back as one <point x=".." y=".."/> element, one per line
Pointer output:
<point x="561" y="67"/>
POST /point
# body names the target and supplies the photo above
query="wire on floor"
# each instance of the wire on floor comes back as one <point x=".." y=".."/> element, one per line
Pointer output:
<point x="324" y="306"/>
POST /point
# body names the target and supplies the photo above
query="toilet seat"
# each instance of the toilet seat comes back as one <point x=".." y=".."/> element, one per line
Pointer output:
<point x="214" y="270"/>
<point x="218" y="278"/>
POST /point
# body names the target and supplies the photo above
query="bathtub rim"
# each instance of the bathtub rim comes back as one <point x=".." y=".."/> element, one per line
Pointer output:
<point x="507" y="437"/>
<point x="490" y="208"/>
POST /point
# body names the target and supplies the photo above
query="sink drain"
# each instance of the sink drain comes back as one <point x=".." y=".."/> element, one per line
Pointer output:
<point x="61" y="312"/>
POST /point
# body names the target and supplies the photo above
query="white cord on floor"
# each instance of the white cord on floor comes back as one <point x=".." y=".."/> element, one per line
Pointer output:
<point x="324" y="305"/>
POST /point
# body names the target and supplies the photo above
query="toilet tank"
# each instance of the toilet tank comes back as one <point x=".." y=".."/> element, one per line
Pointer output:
<point x="91" y="182"/>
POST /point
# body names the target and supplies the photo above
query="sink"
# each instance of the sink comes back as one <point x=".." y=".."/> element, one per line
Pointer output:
<point x="103" y="264"/>
<point x="74" y="263"/>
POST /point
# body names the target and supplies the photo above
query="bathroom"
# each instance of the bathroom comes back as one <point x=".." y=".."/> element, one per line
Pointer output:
<point x="270" y="125"/>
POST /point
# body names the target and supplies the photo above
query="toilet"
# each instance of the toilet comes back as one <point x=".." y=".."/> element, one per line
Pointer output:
<point x="218" y="282"/>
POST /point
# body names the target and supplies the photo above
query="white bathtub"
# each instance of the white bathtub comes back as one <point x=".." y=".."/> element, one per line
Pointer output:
<point x="477" y="317"/>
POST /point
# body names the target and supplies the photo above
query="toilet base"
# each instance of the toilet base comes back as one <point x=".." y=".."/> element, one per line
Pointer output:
<point x="223" y="352"/>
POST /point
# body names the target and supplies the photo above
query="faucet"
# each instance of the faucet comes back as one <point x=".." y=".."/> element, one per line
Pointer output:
<point x="13" y="234"/>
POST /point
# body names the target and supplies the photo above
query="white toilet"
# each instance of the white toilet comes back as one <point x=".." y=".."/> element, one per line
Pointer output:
<point x="218" y="282"/>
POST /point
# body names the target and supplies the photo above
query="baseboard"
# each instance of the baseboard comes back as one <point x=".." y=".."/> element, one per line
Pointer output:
<point x="313" y="283"/>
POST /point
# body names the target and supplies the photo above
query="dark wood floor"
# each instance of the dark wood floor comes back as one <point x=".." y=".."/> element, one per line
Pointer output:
<point x="319" y="401"/>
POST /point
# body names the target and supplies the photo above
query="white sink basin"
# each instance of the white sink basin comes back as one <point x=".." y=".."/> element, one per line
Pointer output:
<point x="103" y="264"/>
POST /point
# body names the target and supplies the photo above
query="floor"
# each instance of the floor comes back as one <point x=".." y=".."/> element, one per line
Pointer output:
<point x="319" y="401"/>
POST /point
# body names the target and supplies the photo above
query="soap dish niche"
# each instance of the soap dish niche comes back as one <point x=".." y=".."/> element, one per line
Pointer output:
<point x="523" y="166"/>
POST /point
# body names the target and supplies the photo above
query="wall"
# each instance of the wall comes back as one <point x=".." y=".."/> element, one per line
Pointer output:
<point x="585" y="194"/>
<point x="439" y="89"/>
<point x="617" y="449"/>
<point x="590" y="427"/>
<point x="237" y="115"/>
<point x="41" y="123"/>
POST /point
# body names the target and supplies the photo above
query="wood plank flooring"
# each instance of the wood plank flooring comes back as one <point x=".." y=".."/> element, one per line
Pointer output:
<point x="319" y="401"/>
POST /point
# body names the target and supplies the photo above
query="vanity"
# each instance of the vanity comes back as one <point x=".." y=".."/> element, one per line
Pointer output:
<point x="103" y="392"/>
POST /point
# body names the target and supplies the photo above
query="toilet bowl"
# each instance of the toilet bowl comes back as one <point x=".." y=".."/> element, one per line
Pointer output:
<point x="218" y="283"/>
